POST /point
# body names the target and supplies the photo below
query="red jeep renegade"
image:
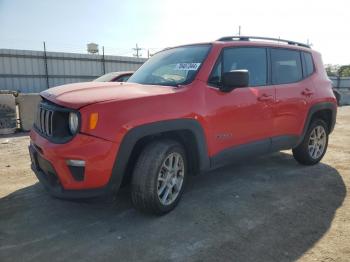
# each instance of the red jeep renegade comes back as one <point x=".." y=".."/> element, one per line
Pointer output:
<point x="187" y="109"/>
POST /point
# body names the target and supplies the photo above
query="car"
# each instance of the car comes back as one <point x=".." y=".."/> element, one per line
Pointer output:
<point x="122" y="76"/>
<point x="187" y="110"/>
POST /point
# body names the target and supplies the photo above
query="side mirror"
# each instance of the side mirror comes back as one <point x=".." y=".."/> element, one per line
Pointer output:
<point x="234" y="79"/>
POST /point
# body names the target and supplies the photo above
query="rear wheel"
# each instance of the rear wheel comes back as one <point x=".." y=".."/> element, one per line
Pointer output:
<point x="314" y="145"/>
<point x="159" y="177"/>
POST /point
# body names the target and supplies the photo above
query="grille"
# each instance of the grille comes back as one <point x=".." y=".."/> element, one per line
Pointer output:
<point x="44" y="121"/>
<point x="52" y="122"/>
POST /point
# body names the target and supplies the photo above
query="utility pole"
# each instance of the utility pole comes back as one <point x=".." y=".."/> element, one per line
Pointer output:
<point x="239" y="30"/>
<point x="137" y="49"/>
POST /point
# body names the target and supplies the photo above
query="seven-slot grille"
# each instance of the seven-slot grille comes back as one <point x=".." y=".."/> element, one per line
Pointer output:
<point x="44" y="120"/>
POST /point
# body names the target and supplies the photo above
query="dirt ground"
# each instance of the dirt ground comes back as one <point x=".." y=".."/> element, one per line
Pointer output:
<point x="267" y="209"/>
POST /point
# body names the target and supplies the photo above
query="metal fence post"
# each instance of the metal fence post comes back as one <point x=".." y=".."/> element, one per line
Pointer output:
<point x="46" y="69"/>
<point x="103" y="60"/>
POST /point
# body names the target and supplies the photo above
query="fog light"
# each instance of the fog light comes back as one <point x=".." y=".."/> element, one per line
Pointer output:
<point x="78" y="163"/>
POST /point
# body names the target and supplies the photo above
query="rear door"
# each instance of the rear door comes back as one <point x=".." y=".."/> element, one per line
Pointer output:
<point x="293" y="94"/>
<point x="243" y="116"/>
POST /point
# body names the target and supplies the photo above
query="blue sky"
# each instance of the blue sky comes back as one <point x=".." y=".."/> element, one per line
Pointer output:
<point x="68" y="25"/>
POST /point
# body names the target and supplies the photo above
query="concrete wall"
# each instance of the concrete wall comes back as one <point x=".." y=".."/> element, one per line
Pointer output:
<point x="27" y="105"/>
<point x="7" y="114"/>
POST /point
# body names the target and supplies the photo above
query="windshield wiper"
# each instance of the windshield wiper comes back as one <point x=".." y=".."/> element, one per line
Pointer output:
<point x="164" y="84"/>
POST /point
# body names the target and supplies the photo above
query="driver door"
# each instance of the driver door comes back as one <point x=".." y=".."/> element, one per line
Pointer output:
<point x="241" y="121"/>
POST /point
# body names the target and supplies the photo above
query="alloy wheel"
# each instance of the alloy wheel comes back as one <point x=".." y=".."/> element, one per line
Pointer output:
<point x="170" y="178"/>
<point x="317" y="142"/>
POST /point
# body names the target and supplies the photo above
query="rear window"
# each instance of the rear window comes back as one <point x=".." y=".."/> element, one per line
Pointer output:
<point x="123" y="78"/>
<point x="286" y="66"/>
<point x="308" y="64"/>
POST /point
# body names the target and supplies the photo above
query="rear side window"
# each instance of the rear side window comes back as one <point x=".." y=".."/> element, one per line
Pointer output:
<point x="286" y="66"/>
<point x="249" y="58"/>
<point x="123" y="78"/>
<point x="308" y="64"/>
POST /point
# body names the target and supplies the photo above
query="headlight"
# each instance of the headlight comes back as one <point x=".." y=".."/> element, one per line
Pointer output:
<point x="73" y="122"/>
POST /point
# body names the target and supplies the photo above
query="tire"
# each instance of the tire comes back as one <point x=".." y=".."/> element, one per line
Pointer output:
<point x="155" y="171"/>
<point x="304" y="152"/>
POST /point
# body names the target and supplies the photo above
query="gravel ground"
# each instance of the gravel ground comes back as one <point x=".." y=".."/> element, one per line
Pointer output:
<point x="266" y="209"/>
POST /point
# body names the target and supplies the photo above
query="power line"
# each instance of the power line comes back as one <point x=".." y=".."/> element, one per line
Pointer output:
<point x="74" y="47"/>
<point x="137" y="49"/>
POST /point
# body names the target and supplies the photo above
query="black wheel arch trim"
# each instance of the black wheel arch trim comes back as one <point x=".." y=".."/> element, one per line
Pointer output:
<point x="139" y="132"/>
<point x="316" y="108"/>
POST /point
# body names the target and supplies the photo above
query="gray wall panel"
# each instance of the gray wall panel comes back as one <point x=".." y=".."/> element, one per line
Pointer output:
<point x="24" y="70"/>
<point x="343" y="82"/>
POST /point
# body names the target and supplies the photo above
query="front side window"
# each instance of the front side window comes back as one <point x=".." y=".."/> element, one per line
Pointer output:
<point x="286" y="66"/>
<point x="215" y="77"/>
<point x="175" y="66"/>
<point x="251" y="59"/>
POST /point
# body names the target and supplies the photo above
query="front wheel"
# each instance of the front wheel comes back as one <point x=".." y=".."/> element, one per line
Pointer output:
<point x="314" y="145"/>
<point x="159" y="177"/>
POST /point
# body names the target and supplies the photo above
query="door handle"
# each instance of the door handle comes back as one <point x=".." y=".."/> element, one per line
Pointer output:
<point x="265" y="97"/>
<point x="307" y="92"/>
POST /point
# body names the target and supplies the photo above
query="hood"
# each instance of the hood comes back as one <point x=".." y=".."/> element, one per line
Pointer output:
<point x="82" y="94"/>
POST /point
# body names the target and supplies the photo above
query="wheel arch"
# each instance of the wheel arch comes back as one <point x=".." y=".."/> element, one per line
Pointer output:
<point x="326" y="111"/>
<point x="188" y="132"/>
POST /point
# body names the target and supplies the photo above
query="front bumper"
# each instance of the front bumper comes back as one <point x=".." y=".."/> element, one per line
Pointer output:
<point x="49" y="163"/>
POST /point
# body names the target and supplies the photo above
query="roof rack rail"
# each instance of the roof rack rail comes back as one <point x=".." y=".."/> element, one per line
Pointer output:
<point x="248" y="38"/>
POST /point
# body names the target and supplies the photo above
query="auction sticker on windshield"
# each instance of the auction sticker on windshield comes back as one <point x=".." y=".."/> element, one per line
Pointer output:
<point x="187" y="66"/>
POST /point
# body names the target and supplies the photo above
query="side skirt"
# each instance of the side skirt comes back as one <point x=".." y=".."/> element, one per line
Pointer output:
<point x="254" y="149"/>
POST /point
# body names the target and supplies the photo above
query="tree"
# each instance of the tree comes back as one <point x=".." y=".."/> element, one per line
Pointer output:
<point x="332" y="70"/>
<point x="338" y="70"/>
<point x="344" y="71"/>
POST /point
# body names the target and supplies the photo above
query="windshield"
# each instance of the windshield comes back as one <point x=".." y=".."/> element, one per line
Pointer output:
<point x="175" y="66"/>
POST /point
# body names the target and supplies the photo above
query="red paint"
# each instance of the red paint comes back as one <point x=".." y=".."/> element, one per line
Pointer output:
<point x="228" y="119"/>
<point x="99" y="155"/>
